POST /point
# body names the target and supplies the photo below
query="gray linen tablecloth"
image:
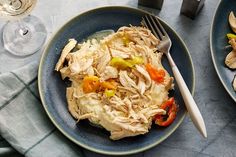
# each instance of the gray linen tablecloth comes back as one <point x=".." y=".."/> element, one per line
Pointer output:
<point x="23" y="121"/>
<point x="25" y="125"/>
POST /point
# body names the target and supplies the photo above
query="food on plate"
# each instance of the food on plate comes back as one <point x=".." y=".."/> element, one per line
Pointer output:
<point x="230" y="59"/>
<point x="232" y="21"/>
<point x="172" y="110"/>
<point x="118" y="82"/>
<point x="234" y="83"/>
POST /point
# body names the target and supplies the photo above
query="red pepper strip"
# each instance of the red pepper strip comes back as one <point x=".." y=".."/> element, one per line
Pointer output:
<point x="168" y="103"/>
<point x="157" y="75"/>
<point x="159" y="119"/>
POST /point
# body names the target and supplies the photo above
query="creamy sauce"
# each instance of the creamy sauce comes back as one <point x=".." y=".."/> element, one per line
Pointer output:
<point x="101" y="34"/>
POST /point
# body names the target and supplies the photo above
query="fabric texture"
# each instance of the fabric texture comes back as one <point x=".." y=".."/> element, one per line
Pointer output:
<point x="23" y="121"/>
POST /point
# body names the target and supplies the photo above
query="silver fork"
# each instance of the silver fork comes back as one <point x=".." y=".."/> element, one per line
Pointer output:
<point x="152" y="23"/>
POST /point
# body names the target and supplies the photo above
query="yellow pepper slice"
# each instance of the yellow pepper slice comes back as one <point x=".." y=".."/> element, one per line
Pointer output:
<point x="136" y="60"/>
<point x="120" y="63"/>
<point x="126" y="40"/>
<point x="109" y="93"/>
<point x="230" y="36"/>
<point x="123" y="64"/>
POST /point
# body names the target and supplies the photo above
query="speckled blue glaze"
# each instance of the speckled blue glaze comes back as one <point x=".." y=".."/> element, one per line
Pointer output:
<point x="218" y="41"/>
<point x="52" y="89"/>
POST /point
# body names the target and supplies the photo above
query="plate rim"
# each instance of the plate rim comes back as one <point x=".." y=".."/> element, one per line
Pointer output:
<point x="213" y="54"/>
<point x="45" y="52"/>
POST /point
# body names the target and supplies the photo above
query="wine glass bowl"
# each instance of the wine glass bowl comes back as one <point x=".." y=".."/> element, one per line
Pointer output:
<point x="14" y="9"/>
<point x="24" y="34"/>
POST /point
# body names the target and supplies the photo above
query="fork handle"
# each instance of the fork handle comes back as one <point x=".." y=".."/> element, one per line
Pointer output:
<point x="190" y="104"/>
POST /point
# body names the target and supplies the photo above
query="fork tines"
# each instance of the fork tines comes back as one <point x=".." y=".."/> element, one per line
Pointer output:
<point x="152" y="23"/>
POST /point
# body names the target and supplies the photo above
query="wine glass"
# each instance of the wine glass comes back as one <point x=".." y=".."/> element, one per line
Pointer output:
<point x="24" y="34"/>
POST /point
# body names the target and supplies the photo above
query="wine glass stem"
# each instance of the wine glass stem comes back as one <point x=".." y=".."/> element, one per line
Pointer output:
<point x="23" y="29"/>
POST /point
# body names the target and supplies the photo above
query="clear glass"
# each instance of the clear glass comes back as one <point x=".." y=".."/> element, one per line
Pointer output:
<point x="24" y="34"/>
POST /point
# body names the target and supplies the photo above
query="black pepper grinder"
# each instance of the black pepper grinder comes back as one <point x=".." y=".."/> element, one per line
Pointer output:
<point x="191" y="8"/>
<point x="157" y="4"/>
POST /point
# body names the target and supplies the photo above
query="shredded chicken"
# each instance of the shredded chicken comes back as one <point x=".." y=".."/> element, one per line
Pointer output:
<point x="109" y="73"/>
<point x="133" y="98"/>
<point x="125" y="80"/>
<point x="232" y="42"/>
<point x="67" y="49"/>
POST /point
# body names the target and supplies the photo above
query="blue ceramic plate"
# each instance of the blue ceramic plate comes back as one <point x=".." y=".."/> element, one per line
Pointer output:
<point x="218" y="41"/>
<point x="52" y="88"/>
